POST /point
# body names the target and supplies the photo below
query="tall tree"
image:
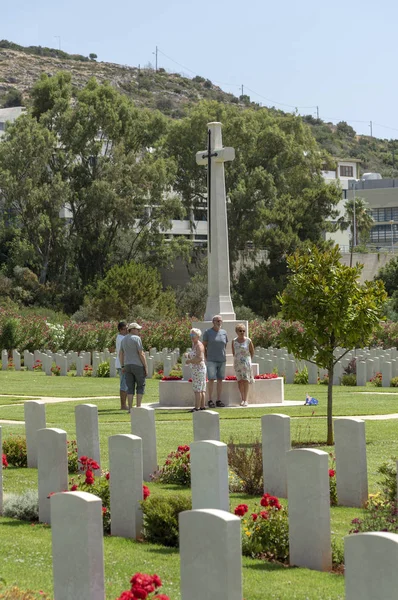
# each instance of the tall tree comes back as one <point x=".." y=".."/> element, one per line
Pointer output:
<point x="359" y="221"/>
<point x="335" y="309"/>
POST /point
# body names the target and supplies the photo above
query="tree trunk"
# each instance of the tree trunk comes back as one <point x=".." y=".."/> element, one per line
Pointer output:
<point x="330" y="440"/>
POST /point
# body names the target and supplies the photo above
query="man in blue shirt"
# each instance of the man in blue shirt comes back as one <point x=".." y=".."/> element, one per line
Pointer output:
<point x="215" y="342"/>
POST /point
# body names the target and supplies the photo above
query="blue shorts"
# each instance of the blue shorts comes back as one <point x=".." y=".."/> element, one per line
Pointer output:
<point x="135" y="378"/>
<point x="123" y="384"/>
<point x="215" y="370"/>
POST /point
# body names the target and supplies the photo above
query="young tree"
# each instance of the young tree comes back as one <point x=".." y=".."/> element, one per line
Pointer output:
<point x="337" y="312"/>
<point x="362" y="220"/>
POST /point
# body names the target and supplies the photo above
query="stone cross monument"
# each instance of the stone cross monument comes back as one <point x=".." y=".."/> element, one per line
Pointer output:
<point x="219" y="294"/>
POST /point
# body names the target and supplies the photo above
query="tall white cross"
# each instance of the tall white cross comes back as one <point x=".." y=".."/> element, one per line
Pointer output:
<point x="219" y="293"/>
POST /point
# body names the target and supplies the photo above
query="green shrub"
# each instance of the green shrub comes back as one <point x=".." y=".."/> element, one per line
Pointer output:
<point x="14" y="447"/>
<point x="103" y="370"/>
<point x="394" y="382"/>
<point x="301" y="377"/>
<point x="389" y="481"/>
<point x="24" y="507"/>
<point x="377" y="380"/>
<point x="9" y="336"/>
<point x="161" y="518"/>
<point x="349" y="379"/>
<point x="246" y="461"/>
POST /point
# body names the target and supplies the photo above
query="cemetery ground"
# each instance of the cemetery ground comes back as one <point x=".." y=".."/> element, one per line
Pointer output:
<point x="25" y="549"/>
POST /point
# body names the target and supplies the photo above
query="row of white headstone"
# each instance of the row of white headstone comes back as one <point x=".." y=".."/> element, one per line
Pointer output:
<point x="166" y="357"/>
<point x="368" y="363"/>
<point x="208" y="532"/>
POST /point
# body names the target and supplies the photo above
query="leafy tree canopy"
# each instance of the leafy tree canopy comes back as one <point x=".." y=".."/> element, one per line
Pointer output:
<point x="335" y="309"/>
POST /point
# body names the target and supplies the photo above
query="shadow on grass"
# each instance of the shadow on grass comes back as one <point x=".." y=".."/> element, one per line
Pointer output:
<point x="267" y="566"/>
<point x="163" y="550"/>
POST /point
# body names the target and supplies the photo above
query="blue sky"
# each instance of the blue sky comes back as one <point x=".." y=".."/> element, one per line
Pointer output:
<point x="340" y="56"/>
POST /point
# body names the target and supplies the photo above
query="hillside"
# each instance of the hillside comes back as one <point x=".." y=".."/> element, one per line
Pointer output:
<point x="171" y="93"/>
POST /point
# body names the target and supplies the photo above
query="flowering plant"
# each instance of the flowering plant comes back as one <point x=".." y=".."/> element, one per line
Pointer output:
<point x="376" y="380"/>
<point x="56" y="370"/>
<point x="266" y="376"/>
<point x="38" y="366"/>
<point x="15" y="450"/>
<point x="230" y="378"/>
<point x="266" y="531"/>
<point x="143" y="586"/>
<point x="4" y="461"/>
<point x="73" y="463"/>
<point x="177" y="468"/>
<point x="87" y="371"/>
<point x="332" y="481"/>
<point x="10" y="365"/>
<point x="171" y="378"/>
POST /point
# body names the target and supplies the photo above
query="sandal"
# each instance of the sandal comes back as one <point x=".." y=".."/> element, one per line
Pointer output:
<point x="202" y="408"/>
<point x="194" y="410"/>
<point x="211" y="404"/>
<point x="220" y="404"/>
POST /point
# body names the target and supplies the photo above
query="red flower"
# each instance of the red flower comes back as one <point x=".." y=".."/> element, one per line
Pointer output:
<point x="4" y="461"/>
<point x="264" y="500"/>
<point x="73" y="488"/>
<point x="268" y="500"/>
<point x="161" y="597"/>
<point x="139" y="592"/>
<point x="264" y="514"/>
<point x="241" y="510"/>
<point x="104" y="510"/>
<point x="183" y="449"/>
<point x="254" y="516"/>
<point x="92" y="464"/>
<point x="332" y="472"/>
<point x="107" y="475"/>
<point x="145" y="492"/>
<point x="89" y="477"/>
<point x="157" y="582"/>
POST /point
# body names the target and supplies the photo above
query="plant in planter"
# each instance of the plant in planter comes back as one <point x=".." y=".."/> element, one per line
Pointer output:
<point x="143" y="586"/>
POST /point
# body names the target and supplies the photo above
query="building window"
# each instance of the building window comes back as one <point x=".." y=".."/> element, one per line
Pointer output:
<point x="381" y="215"/>
<point x="346" y="171"/>
<point x="2" y="126"/>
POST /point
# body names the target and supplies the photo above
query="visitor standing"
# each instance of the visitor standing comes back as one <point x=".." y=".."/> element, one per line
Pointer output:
<point x="196" y="358"/>
<point x="215" y="342"/>
<point x="133" y="363"/>
<point x="122" y="329"/>
<point x="243" y="352"/>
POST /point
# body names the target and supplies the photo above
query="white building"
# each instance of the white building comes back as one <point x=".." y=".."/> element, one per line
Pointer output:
<point x="8" y="115"/>
<point x="347" y="170"/>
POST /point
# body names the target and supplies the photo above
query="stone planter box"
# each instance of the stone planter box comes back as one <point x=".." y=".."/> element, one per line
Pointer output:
<point x="262" y="391"/>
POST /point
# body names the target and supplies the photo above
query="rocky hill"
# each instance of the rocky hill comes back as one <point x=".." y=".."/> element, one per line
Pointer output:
<point x="171" y="93"/>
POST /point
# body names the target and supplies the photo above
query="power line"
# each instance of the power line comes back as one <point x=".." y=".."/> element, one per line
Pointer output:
<point x="275" y="102"/>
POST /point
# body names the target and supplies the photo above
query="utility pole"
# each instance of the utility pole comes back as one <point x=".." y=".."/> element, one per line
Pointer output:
<point x="242" y="89"/>
<point x="156" y="59"/>
<point x="371" y="128"/>
<point x="317" y="112"/>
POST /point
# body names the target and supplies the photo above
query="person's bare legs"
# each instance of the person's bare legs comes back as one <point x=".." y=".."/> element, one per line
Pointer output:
<point x="211" y="387"/>
<point x="240" y="386"/>
<point x="219" y="389"/>
<point x="139" y="399"/>
<point x="202" y="399"/>
<point x="123" y="400"/>
<point x="130" y="399"/>
<point x="197" y="400"/>
<point x="245" y="392"/>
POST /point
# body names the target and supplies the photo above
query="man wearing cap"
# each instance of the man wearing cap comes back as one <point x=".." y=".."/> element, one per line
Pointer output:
<point x="133" y="363"/>
<point x="215" y="342"/>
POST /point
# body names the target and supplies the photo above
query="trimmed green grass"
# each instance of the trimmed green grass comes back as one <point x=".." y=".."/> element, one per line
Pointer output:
<point x="25" y="550"/>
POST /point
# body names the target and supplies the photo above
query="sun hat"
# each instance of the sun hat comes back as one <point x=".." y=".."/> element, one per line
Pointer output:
<point x="134" y="326"/>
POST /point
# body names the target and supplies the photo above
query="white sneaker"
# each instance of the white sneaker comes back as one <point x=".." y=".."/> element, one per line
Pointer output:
<point x="245" y="404"/>
<point x="242" y="403"/>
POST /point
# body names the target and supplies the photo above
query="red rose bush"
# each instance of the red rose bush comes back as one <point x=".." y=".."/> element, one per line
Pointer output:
<point x="144" y="586"/>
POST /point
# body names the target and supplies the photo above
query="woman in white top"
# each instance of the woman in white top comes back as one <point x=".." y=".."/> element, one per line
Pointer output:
<point x="243" y="351"/>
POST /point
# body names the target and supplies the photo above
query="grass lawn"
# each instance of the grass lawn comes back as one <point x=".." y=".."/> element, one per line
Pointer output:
<point x="25" y="550"/>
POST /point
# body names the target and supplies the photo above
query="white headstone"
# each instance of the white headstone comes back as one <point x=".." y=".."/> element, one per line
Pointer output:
<point x="309" y="509"/>
<point x="275" y="445"/>
<point x="77" y="546"/>
<point x="125" y="466"/>
<point x="143" y="426"/>
<point x="112" y="366"/>
<point x="80" y="366"/>
<point x="386" y="370"/>
<point x="371" y="566"/>
<point x="1" y="474"/>
<point x="206" y="425"/>
<point x="361" y="373"/>
<point x="290" y="371"/>
<point x="210" y="555"/>
<point x="209" y="475"/>
<point x="312" y="373"/>
<point x="48" y="363"/>
<point x="167" y="366"/>
<point x="369" y="369"/>
<point x="63" y="363"/>
<point x="351" y="466"/>
<point x="52" y="459"/>
<point x="149" y="362"/>
<point x="87" y="432"/>
<point x="35" y="419"/>
<point x="4" y="360"/>
<point x="16" y="357"/>
<point x="337" y="373"/>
